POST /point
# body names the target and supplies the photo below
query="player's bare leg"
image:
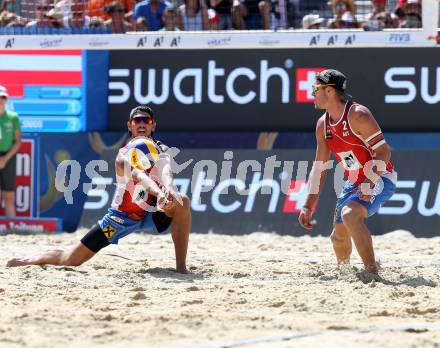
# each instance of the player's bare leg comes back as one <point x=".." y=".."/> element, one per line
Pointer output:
<point x="341" y="240"/>
<point x="180" y="229"/>
<point x="353" y="217"/>
<point x="74" y="257"/>
<point x="9" y="200"/>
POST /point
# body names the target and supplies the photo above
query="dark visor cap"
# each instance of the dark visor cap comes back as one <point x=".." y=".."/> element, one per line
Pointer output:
<point x="140" y="111"/>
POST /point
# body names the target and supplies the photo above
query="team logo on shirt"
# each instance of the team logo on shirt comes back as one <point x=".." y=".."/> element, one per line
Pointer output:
<point x="349" y="160"/>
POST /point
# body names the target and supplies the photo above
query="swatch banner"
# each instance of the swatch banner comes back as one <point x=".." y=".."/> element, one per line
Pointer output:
<point x="243" y="191"/>
<point x="271" y="90"/>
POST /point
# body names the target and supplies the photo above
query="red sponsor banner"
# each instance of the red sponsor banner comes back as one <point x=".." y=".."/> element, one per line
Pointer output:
<point x="25" y="181"/>
<point x="305" y="78"/>
<point x="29" y="225"/>
<point x="296" y="197"/>
<point x="19" y="69"/>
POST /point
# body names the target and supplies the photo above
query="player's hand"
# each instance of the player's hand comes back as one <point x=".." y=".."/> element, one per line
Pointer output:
<point x="365" y="198"/>
<point x="368" y="186"/>
<point x="305" y="218"/>
<point x="166" y="203"/>
<point x="162" y="201"/>
<point x="3" y="162"/>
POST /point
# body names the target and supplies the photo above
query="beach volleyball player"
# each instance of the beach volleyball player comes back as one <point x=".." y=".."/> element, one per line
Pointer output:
<point x="349" y="131"/>
<point x="144" y="195"/>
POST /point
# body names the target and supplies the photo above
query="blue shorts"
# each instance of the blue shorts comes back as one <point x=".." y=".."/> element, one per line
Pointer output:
<point x="350" y="192"/>
<point x="116" y="225"/>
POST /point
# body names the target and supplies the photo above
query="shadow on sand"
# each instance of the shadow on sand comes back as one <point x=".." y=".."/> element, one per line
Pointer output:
<point x="366" y="277"/>
<point x="170" y="273"/>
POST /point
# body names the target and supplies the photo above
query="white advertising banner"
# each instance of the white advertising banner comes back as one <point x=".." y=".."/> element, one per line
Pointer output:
<point x="223" y="40"/>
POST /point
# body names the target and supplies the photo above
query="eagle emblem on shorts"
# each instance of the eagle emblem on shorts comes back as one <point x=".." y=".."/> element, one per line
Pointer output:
<point x="109" y="231"/>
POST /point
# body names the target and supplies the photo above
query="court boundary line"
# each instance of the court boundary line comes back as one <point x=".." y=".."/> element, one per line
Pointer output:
<point x="301" y="334"/>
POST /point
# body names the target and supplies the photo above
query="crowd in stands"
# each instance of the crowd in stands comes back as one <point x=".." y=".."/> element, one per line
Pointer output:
<point x="120" y="16"/>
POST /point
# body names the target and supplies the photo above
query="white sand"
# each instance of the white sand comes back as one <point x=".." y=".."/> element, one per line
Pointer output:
<point x="248" y="287"/>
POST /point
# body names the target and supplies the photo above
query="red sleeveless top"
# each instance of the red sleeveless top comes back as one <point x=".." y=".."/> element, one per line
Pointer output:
<point x="130" y="196"/>
<point x="349" y="148"/>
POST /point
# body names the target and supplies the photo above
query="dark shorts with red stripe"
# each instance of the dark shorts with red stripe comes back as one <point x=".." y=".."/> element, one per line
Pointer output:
<point x="8" y="175"/>
<point x="116" y="225"/>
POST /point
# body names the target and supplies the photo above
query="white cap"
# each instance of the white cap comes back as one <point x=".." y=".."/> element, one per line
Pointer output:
<point x="3" y="91"/>
<point x="311" y="19"/>
<point x="413" y="2"/>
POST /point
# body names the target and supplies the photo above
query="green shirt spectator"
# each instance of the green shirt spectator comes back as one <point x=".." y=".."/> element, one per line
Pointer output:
<point x="9" y="123"/>
<point x="10" y="138"/>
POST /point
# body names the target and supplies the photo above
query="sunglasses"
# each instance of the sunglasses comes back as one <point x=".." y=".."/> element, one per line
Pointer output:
<point x="315" y="88"/>
<point x="144" y="119"/>
<point x="43" y="8"/>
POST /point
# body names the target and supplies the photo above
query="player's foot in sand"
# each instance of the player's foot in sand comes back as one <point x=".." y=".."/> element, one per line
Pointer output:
<point x="373" y="268"/>
<point x="344" y="267"/>
<point x="17" y="262"/>
<point x="182" y="270"/>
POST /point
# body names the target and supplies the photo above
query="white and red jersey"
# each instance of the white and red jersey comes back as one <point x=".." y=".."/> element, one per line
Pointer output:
<point x="131" y="198"/>
<point x="349" y="148"/>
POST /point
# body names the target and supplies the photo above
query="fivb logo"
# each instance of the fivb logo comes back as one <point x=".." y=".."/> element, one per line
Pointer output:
<point x="241" y="85"/>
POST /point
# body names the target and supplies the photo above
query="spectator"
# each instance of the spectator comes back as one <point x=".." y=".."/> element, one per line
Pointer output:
<point x="171" y="19"/>
<point x="278" y="18"/>
<point x="6" y="18"/>
<point x="213" y="20"/>
<point x="96" y="22"/>
<point x="413" y="6"/>
<point x="141" y="24"/>
<point x="55" y="18"/>
<point x="42" y="20"/>
<point x="312" y="6"/>
<point x="64" y="6"/>
<point x="381" y="21"/>
<point x="223" y="9"/>
<point x="8" y="6"/>
<point x="153" y="11"/>
<point x="251" y="14"/>
<point x="340" y="8"/>
<point x="378" y="6"/>
<point x="301" y="8"/>
<point x="9" y="144"/>
<point x="407" y="6"/>
<point x="116" y="12"/>
<point x="194" y="15"/>
<point x="312" y="21"/>
<point x="78" y="17"/>
<point x="96" y="8"/>
<point x="18" y="22"/>
<point x="412" y="20"/>
<point x="348" y="21"/>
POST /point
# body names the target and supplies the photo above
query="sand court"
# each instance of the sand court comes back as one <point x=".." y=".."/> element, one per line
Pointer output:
<point x="258" y="290"/>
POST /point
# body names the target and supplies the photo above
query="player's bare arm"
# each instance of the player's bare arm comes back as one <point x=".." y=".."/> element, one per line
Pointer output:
<point x="365" y="125"/>
<point x="165" y="176"/>
<point x="317" y="176"/>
